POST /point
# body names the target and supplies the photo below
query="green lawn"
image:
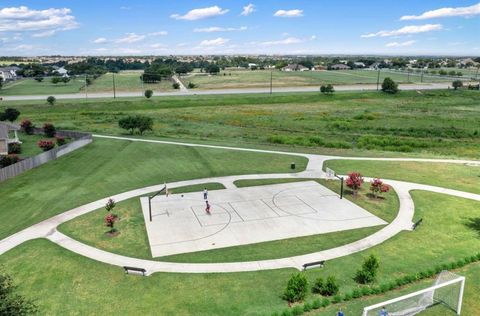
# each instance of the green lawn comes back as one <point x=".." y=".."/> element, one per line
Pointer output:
<point x="127" y="81"/>
<point x="133" y="240"/>
<point x="83" y="286"/>
<point x="454" y="176"/>
<point x="108" y="167"/>
<point x="434" y="123"/>
<point x="229" y="79"/>
<point x="30" y="86"/>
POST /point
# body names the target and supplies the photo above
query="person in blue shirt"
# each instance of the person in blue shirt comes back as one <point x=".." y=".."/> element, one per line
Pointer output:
<point x="383" y="312"/>
<point x="340" y="313"/>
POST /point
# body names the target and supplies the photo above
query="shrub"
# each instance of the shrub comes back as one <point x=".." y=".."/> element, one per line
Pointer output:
<point x="110" y="205"/>
<point x="11" y="302"/>
<point x="296" y="288"/>
<point x="9" y="115"/>
<point x="286" y="312"/>
<point x="110" y="220"/>
<point x="297" y="310"/>
<point x="368" y="272"/>
<point x="14" y="148"/>
<point x="176" y="85"/>
<point x="354" y="181"/>
<point x="27" y="126"/>
<point x="49" y="130"/>
<point x="148" y="94"/>
<point x="316" y="304"/>
<point x="138" y="122"/>
<point x="327" y="89"/>
<point x="325" y="302"/>
<point x="45" y="145"/>
<point x="378" y="187"/>
<point x="318" y="286"/>
<point x="328" y="288"/>
<point x="191" y="85"/>
<point x="336" y="299"/>
<point x="51" y="100"/>
<point x="8" y="160"/>
<point x="60" y="140"/>
<point x="457" y="84"/>
<point x="389" y="86"/>
<point x="307" y="307"/>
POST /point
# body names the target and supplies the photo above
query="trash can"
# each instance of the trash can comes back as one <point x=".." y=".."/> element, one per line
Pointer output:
<point x="292" y="165"/>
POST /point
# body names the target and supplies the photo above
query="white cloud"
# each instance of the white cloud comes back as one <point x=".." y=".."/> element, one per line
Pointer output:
<point x="215" y="42"/>
<point x="100" y="40"/>
<point x="287" y="41"/>
<point x="219" y="29"/>
<point x="401" y="44"/>
<point x="158" y="45"/>
<point x="248" y="9"/>
<point x="44" y="34"/>
<point x="131" y="38"/>
<point x="24" y="19"/>
<point x="160" y="33"/>
<point x="445" y="12"/>
<point x="313" y="37"/>
<point x="125" y="8"/>
<point x="23" y="47"/>
<point x="289" y="13"/>
<point x="411" y="29"/>
<point x="203" y="13"/>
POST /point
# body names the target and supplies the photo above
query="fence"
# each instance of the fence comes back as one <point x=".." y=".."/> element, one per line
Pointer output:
<point x="81" y="139"/>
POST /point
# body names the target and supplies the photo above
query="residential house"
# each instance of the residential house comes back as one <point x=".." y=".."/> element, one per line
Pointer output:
<point x="339" y="67"/>
<point x="9" y="73"/>
<point x="8" y="134"/>
<point x="295" y="67"/>
<point x="359" y="64"/>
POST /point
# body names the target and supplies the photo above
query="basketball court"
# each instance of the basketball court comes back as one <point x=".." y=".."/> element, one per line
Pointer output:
<point x="243" y="216"/>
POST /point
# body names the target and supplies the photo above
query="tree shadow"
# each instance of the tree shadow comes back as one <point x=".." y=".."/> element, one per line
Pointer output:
<point x="474" y="224"/>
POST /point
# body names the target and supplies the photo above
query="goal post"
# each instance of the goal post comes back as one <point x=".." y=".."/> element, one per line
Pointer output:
<point x="447" y="290"/>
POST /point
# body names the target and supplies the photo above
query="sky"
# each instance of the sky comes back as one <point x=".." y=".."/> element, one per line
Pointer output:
<point x="300" y="27"/>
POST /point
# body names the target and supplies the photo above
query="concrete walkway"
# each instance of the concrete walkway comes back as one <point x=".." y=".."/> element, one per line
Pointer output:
<point x="180" y="83"/>
<point x="403" y="221"/>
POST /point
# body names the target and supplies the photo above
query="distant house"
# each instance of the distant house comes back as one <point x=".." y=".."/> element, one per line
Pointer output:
<point x="295" y="67"/>
<point x="9" y="73"/>
<point x="339" y="67"/>
<point x="61" y="71"/>
<point x="8" y="134"/>
<point x="374" y="66"/>
<point x="359" y="64"/>
<point x="252" y="65"/>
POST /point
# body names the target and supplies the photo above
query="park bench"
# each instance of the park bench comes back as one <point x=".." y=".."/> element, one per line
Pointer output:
<point x="417" y="223"/>
<point x="315" y="264"/>
<point x="142" y="270"/>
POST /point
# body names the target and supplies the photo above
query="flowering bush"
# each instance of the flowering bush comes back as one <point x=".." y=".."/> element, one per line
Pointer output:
<point x="377" y="187"/>
<point x="49" y="130"/>
<point x="354" y="181"/>
<point x="45" y="145"/>
<point x="60" y="140"/>
<point x="110" y="220"/>
<point x="8" y="160"/>
<point x="14" y="148"/>
<point x="27" y="126"/>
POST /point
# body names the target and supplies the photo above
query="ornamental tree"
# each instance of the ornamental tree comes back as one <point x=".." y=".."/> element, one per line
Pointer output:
<point x="457" y="84"/>
<point x="354" y="181"/>
<point x="110" y="220"/>
<point x="389" y="86"/>
<point x="49" y="130"/>
<point x="27" y="126"/>
<point x="110" y="205"/>
<point x="378" y="187"/>
<point x="46" y="145"/>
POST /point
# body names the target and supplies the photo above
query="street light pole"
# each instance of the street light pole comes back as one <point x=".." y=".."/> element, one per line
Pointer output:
<point x="114" y="89"/>
<point x="86" y="87"/>
<point x="271" y="81"/>
<point x="378" y="78"/>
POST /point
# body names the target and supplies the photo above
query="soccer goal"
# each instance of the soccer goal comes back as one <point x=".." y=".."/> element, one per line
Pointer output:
<point x="447" y="290"/>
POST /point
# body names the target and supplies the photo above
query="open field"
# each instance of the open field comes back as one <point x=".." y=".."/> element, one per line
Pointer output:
<point x="433" y="123"/>
<point x="30" y="86"/>
<point x="127" y="81"/>
<point x="261" y="78"/>
<point x="454" y="176"/>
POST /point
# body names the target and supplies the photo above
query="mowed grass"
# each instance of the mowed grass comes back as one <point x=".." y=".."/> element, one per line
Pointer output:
<point x="230" y="79"/>
<point x="108" y="167"/>
<point x="430" y="123"/>
<point x="133" y="240"/>
<point x="83" y="286"/>
<point x="30" y="86"/>
<point x="127" y="81"/>
<point x="448" y="175"/>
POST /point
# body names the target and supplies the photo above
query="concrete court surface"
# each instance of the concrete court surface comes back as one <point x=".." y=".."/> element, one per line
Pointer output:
<point x="249" y="215"/>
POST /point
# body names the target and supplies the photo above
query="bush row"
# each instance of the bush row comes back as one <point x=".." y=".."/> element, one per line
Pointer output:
<point x="379" y="289"/>
<point x="310" y="141"/>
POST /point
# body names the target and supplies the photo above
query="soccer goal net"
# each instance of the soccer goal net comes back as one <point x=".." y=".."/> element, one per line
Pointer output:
<point x="447" y="290"/>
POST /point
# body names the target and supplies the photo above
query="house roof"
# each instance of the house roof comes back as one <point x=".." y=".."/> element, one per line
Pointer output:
<point x="3" y="131"/>
<point x="295" y="67"/>
<point x="9" y="126"/>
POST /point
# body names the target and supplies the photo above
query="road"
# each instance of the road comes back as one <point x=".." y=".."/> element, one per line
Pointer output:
<point x="358" y="87"/>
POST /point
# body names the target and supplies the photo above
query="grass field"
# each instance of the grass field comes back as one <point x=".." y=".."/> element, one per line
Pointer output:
<point x="127" y="81"/>
<point x="105" y="168"/>
<point x="261" y="78"/>
<point x="30" y="86"/>
<point x="132" y="240"/>
<point x="453" y="176"/>
<point x="433" y="123"/>
<point x="84" y="286"/>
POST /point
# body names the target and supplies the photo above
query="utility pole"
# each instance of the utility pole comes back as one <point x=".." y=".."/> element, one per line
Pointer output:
<point x="378" y="78"/>
<point x="114" y="90"/>
<point x="421" y="77"/>
<point x="86" y="87"/>
<point x="271" y="81"/>
<point x="143" y="89"/>
<point x="408" y="71"/>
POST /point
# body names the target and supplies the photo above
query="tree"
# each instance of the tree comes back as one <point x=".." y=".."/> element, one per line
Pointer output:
<point x="368" y="272"/>
<point x="144" y="123"/>
<point x="389" y="86"/>
<point x="27" y="127"/>
<point x="457" y="84"/>
<point x="191" y="85"/>
<point x="65" y="80"/>
<point x="9" y="114"/>
<point x="327" y="89"/>
<point x="110" y="220"/>
<point x="39" y="78"/>
<point x="297" y="288"/>
<point x="138" y="122"/>
<point x="213" y="69"/>
<point x="12" y="303"/>
<point x="1" y="82"/>
<point x="110" y="205"/>
<point x="328" y="288"/>
<point x="56" y="80"/>
<point x="51" y="100"/>
<point x="176" y="85"/>
<point x="354" y="181"/>
<point x="378" y="187"/>
<point x="49" y="130"/>
<point x="148" y="94"/>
